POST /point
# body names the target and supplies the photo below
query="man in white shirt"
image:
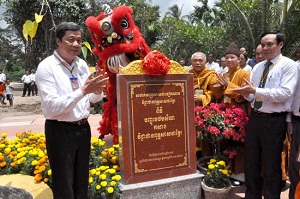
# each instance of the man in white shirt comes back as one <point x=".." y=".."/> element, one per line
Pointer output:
<point x="294" y="130"/>
<point x="26" y="79"/>
<point x="66" y="88"/>
<point x="211" y="65"/>
<point x="34" y="89"/>
<point x="271" y="93"/>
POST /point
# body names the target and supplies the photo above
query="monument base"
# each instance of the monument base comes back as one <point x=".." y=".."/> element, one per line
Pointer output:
<point x="187" y="186"/>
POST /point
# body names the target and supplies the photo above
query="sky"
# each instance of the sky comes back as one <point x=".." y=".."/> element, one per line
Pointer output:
<point x="2" y="22"/>
<point x="188" y="5"/>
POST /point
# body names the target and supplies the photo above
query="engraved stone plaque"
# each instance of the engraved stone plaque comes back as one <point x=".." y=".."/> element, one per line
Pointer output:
<point x="156" y="126"/>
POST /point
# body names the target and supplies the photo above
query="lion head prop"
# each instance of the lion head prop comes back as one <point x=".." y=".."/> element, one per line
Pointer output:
<point x="119" y="42"/>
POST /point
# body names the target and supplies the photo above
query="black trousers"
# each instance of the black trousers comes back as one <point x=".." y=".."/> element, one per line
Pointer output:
<point x="294" y="165"/>
<point x="68" y="148"/>
<point x="27" y="87"/>
<point x="34" y="89"/>
<point x="263" y="147"/>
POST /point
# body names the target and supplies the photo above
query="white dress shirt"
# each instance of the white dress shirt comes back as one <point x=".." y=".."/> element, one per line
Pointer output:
<point x="32" y="75"/>
<point x="26" y="79"/>
<point x="213" y="66"/>
<point x="277" y="95"/>
<point x="58" y="100"/>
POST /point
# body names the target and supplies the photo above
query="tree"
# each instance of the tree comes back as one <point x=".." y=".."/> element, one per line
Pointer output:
<point x="181" y="40"/>
<point x="54" y="11"/>
<point x="174" y="11"/>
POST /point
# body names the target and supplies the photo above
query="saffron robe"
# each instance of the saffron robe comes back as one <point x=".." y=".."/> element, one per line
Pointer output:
<point x="236" y="80"/>
<point x="207" y="80"/>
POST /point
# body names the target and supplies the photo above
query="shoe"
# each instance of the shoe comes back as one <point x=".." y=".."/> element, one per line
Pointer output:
<point x="283" y="183"/>
<point x="23" y="96"/>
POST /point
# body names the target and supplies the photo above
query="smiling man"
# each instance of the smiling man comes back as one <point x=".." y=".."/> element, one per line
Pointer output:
<point x="271" y="93"/>
<point x="66" y="89"/>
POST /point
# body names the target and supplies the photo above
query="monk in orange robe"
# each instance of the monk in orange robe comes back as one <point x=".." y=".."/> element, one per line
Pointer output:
<point x="206" y="84"/>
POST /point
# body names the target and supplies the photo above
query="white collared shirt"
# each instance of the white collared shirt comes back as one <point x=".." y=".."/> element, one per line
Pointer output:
<point x="26" y="79"/>
<point x="277" y="95"/>
<point x="32" y="75"/>
<point x="58" y="100"/>
<point x="213" y="66"/>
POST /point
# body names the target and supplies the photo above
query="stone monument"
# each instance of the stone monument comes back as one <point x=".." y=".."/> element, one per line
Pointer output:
<point x="157" y="136"/>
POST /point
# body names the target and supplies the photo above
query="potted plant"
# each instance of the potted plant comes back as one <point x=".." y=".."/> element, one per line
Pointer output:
<point x="216" y="183"/>
<point x="222" y="125"/>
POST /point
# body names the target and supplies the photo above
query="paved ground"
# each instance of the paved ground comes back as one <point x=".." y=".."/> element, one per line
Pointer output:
<point x="25" y="115"/>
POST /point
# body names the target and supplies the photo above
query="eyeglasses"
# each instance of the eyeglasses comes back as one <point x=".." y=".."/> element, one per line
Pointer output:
<point x="71" y="41"/>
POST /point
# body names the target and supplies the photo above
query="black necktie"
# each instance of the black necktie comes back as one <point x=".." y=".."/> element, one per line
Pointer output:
<point x="258" y="102"/>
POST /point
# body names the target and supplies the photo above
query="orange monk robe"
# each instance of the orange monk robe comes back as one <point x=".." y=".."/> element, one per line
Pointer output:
<point x="236" y="80"/>
<point x="206" y="79"/>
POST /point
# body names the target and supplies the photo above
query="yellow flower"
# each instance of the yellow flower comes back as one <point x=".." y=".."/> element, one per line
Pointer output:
<point x="211" y="166"/>
<point x="33" y="163"/>
<point x="49" y="172"/>
<point x="224" y="171"/>
<point x="221" y="162"/>
<point x="3" y="135"/>
<point x="93" y="171"/>
<point x="103" y="184"/>
<point x="111" y="171"/>
<point x="98" y="187"/>
<point x="110" y="190"/>
<point x="113" y="183"/>
<point x="111" y="150"/>
<point x="91" y="180"/>
<point x="7" y="151"/>
<point x="118" y="177"/>
<point x="102" y="176"/>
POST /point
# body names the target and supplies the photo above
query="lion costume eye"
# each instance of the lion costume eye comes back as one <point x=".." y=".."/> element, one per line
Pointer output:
<point x="125" y="24"/>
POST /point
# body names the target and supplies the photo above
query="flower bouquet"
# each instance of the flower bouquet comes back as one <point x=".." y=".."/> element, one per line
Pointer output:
<point x="224" y="123"/>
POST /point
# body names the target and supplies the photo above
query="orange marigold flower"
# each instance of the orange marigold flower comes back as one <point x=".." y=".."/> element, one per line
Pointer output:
<point x="2" y="164"/>
<point x="38" y="177"/>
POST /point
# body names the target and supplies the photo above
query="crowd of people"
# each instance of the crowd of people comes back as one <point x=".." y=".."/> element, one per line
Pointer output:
<point x="267" y="88"/>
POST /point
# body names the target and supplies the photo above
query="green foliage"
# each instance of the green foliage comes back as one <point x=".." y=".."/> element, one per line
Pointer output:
<point x="15" y="75"/>
<point x="180" y="40"/>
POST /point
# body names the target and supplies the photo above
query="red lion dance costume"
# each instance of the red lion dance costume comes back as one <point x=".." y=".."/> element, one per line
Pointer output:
<point x="118" y="42"/>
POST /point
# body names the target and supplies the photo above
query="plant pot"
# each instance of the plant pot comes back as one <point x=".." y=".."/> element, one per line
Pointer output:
<point x="202" y="164"/>
<point x="214" y="193"/>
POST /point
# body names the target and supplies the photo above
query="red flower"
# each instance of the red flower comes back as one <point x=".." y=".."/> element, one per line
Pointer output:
<point x="156" y="64"/>
<point x="221" y="122"/>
